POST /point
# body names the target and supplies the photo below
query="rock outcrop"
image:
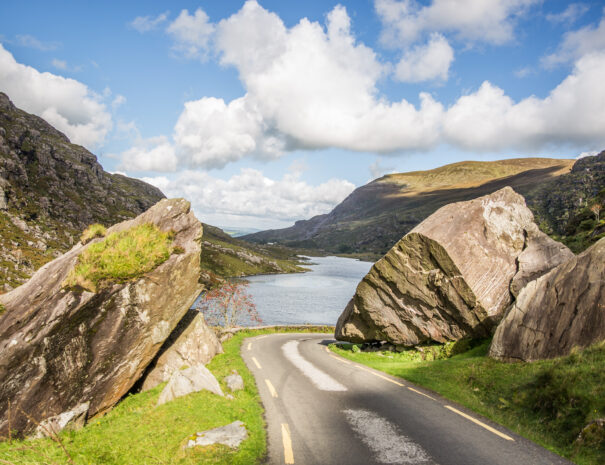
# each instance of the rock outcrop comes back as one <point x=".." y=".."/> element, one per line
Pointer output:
<point x="450" y="277"/>
<point x="562" y="309"/>
<point x="60" y="347"/>
<point x="191" y="343"/>
<point x="230" y="435"/>
<point x="187" y="381"/>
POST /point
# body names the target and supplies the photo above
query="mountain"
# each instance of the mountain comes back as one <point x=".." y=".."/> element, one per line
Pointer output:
<point x="50" y="190"/>
<point x="375" y="216"/>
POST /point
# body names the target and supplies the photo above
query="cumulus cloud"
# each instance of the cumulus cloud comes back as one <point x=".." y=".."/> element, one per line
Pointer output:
<point x="569" y="15"/>
<point x="490" y="21"/>
<point x="426" y="62"/>
<point x="251" y="198"/>
<point x="153" y="154"/>
<point x="144" y="24"/>
<point x="67" y="104"/>
<point x="191" y="33"/>
<point x="573" y="113"/>
<point x="577" y="44"/>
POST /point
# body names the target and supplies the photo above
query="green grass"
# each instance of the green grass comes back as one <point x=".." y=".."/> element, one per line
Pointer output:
<point x="136" y="432"/>
<point x="121" y="256"/>
<point x="92" y="232"/>
<point x="2" y="308"/>
<point x="548" y="401"/>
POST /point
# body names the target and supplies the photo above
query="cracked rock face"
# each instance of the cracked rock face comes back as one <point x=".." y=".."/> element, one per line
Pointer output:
<point x="450" y="277"/>
<point x="562" y="309"/>
<point x="60" y="348"/>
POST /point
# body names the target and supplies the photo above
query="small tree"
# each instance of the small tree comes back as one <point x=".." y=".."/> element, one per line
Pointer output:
<point x="596" y="209"/>
<point x="229" y="305"/>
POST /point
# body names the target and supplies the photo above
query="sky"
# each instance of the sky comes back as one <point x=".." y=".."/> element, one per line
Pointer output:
<point x="262" y="113"/>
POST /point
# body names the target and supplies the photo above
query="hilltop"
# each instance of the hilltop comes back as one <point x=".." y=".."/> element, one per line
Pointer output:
<point x="375" y="216"/>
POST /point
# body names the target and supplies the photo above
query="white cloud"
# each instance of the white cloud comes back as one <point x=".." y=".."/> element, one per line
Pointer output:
<point x="569" y="15"/>
<point x="153" y="154"/>
<point x="377" y="170"/>
<point x="67" y="104"/>
<point x="144" y="24"/>
<point x="577" y="44"/>
<point x="489" y="21"/>
<point x="251" y="194"/>
<point x="587" y="154"/>
<point x="27" y="40"/>
<point x="117" y="101"/>
<point x="426" y="62"/>
<point x="191" y="33"/>
<point x="59" y="64"/>
<point x="573" y="113"/>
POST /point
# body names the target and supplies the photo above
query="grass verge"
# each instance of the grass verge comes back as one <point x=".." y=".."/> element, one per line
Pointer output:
<point x="136" y="432"/>
<point x="549" y="401"/>
<point x="121" y="256"/>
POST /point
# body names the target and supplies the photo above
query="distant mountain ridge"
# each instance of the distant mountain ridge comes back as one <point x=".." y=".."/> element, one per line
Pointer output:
<point x="375" y="216"/>
<point x="50" y="190"/>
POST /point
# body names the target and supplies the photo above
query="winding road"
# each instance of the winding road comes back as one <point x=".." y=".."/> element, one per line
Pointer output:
<point x="323" y="409"/>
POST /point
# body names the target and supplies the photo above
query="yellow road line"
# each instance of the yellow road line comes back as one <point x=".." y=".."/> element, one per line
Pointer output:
<point x="480" y="423"/>
<point x="340" y="359"/>
<point x="256" y="363"/>
<point x="326" y="349"/>
<point x="383" y="377"/>
<point x="421" y="393"/>
<point x="271" y="388"/>
<point x="262" y="337"/>
<point x="287" y="440"/>
<point x="249" y="346"/>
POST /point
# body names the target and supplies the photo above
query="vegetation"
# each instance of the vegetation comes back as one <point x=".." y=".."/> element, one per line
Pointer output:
<point x="92" y="232"/>
<point x="121" y="256"/>
<point x="229" y="305"/>
<point x="137" y="432"/>
<point x="548" y="401"/>
<point x="2" y="308"/>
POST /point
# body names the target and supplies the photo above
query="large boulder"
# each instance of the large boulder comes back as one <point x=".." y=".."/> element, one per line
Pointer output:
<point x="193" y="379"/>
<point x="62" y="347"/>
<point x="191" y="343"/>
<point x="563" y="309"/>
<point x="450" y="277"/>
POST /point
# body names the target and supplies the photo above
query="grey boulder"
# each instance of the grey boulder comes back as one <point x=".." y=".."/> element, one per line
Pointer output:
<point x="234" y="381"/>
<point x="230" y="435"/>
<point x="70" y="420"/>
<point x="187" y="381"/>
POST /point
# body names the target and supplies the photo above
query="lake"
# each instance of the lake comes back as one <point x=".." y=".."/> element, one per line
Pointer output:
<point x="316" y="297"/>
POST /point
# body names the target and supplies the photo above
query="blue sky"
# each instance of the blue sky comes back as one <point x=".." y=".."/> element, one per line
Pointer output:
<point x="265" y="113"/>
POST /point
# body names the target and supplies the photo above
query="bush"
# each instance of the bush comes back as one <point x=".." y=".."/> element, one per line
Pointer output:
<point x="92" y="232"/>
<point x="121" y="256"/>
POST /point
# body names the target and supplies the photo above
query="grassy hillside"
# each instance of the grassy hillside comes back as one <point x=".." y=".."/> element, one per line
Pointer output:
<point x="549" y="401"/>
<point x="377" y="215"/>
<point x="227" y="256"/>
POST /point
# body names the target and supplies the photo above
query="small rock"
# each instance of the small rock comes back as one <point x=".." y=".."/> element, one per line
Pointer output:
<point x="69" y="420"/>
<point x="593" y="434"/>
<point x="234" y="381"/>
<point x="230" y="397"/>
<point x="230" y="435"/>
<point x="190" y="380"/>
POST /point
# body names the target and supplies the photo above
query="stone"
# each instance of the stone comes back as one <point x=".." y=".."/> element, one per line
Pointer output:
<point x="450" y="277"/>
<point x="230" y="435"/>
<point x="593" y="434"/>
<point x="187" y="381"/>
<point x="61" y="347"/>
<point x="70" y="420"/>
<point x="191" y="343"/>
<point x="234" y="381"/>
<point x="562" y="310"/>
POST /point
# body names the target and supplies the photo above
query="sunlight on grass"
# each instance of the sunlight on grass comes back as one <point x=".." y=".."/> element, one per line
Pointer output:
<point x="92" y="232"/>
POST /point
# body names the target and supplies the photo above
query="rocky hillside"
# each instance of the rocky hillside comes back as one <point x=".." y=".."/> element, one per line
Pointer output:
<point x="227" y="256"/>
<point x="375" y="216"/>
<point x="50" y="190"/>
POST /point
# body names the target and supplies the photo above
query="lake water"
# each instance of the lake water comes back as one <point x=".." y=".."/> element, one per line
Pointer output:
<point x="316" y="297"/>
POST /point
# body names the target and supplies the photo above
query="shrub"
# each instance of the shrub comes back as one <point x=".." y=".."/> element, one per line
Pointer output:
<point x="92" y="232"/>
<point x="121" y="256"/>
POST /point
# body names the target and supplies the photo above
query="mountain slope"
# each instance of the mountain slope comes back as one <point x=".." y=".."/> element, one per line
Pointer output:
<point x="375" y="216"/>
<point x="50" y="190"/>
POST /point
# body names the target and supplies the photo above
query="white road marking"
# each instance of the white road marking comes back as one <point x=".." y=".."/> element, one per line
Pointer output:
<point x="480" y="423"/>
<point x="256" y="363"/>
<point x="320" y="379"/>
<point x="383" y="377"/>
<point x="249" y="346"/>
<point x="421" y="393"/>
<point x="271" y="388"/>
<point x="384" y="439"/>
<point x="287" y="441"/>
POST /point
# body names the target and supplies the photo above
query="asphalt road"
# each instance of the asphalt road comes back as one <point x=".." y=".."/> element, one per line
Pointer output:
<point x="322" y="409"/>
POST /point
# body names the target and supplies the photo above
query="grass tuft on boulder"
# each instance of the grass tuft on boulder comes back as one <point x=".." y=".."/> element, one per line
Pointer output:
<point x="92" y="232"/>
<point x="121" y="256"/>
